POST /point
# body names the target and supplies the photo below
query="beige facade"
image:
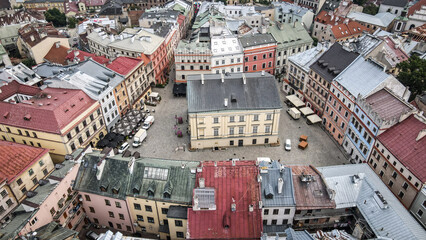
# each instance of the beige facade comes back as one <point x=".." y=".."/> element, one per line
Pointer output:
<point x="7" y="202"/>
<point x="149" y="215"/>
<point x="234" y="128"/>
<point x="40" y="5"/>
<point x="138" y="83"/>
<point x="122" y="98"/>
<point x="28" y="179"/>
<point x="38" y="51"/>
<point x="403" y="184"/>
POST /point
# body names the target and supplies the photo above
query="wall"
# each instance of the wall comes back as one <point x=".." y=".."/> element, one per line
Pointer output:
<point x="418" y="208"/>
<point x="122" y="98"/>
<point x="7" y="201"/>
<point x="42" y="48"/>
<point x="40" y="167"/>
<point x="297" y="77"/>
<point x="203" y="134"/>
<point x="286" y="50"/>
<point x="281" y="217"/>
<point x="315" y="96"/>
<point x="227" y="63"/>
<point x="260" y="58"/>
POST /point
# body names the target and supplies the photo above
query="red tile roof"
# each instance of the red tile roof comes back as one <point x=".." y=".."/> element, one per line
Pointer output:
<point x="34" y="33"/>
<point x="344" y="30"/>
<point x="313" y="195"/>
<point x="236" y="184"/>
<point x="93" y="3"/>
<point x="57" y="55"/>
<point x="400" y="140"/>
<point x="416" y="7"/>
<point x="124" y="65"/>
<point x="82" y="55"/>
<point x="325" y="18"/>
<point x="16" y="158"/>
<point x="49" y="110"/>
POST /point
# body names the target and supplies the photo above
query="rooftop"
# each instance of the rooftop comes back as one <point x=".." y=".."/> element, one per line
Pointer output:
<point x="124" y="65"/>
<point x="357" y="185"/>
<point x="16" y="158"/>
<point x="416" y="7"/>
<point x="34" y="33"/>
<point x="20" y="16"/>
<point x="20" y="73"/>
<point x="332" y="62"/>
<point x="286" y="8"/>
<point x="270" y="188"/>
<point x="57" y="54"/>
<point x="225" y="45"/>
<point x="242" y="91"/>
<point x="54" y="231"/>
<point x="344" y="30"/>
<point x="387" y="105"/>
<point x="326" y="18"/>
<point x="395" y="3"/>
<point x="287" y="34"/>
<point x="365" y="81"/>
<point x="310" y="190"/>
<point x="407" y="143"/>
<point x="256" y="40"/>
<point x="365" y="44"/>
<point x="236" y="196"/>
<point x="79" y="56"/>
<point x="180" y="212"/>
<point x="305" y="59"/>
<point x="48" y="110"/>
<point x="380" y="19"/>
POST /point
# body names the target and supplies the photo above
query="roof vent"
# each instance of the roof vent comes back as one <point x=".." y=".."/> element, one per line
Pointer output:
<point x="65" y="92"/>
<point x="251" y="208"/>
<point x="244" y="79"/>
<point x="40" y="104"/>
<point x="82" y="98"/>
<point x="233" y="98"/>
<point x="263" y="73"/>
<point x="49" y="97"/>
<point x="225" y="102"/>
<point x="202" y="79"/>
<point x="55" y="98"/>
<point x="381" y="201"/>
<point x="27" y="117"/>
<point x="202" y="183"/>
<point x="280" y="185"/>
<point x="31" y="194"/>
<point x="306" y="178"/>
<point x="6" y="115"/>
<point x="233" y="207"/>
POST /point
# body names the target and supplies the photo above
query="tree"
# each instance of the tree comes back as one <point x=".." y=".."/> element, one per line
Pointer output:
<point x="29" y="62"/>
<point x="371" y="9"/>
<point x="72" y="21"/>
<point x="56" y="17"/>
<point x="413" y="74"/>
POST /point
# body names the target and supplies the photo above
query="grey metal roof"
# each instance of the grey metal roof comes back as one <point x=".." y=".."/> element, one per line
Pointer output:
<point x="365" y="44"/>
<point x="259" y="92"/>
<point x="177" y="212"/>
<point x="396" y="3"/>
<point x="380" y="19"/>
<point x="256" y="39"/>
<point x="162" y="13"/>
<point x="335" y="59"/>
<point x="298" y="235"/>
<point x="362" y="77"/>
<point x="306" y="58"/>
<point x="393" y="222"/>
<point x="54" y="231"/>
<point x="270" y="181"/>
<point x="20" y="218"/>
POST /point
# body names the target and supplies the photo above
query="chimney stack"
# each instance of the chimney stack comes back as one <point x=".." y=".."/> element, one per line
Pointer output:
<point x="244" y="79"/>
<point x="202" y="79"/>
<point x="280" y="185"/>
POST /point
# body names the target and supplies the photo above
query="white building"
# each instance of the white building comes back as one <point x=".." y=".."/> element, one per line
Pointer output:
<point x="288" y="13"/>
<point x="227" y="54"/>
<point x="393" y="6"/>
<point x="21" y="74"/>
<point x="99" y="21"/>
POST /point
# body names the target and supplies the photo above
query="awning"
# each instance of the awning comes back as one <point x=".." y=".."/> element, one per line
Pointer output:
<point x="154" y="94"/>
<point x="295" y="101"/>
<point x="306" y="111"/>
<point x="313" y="119"/>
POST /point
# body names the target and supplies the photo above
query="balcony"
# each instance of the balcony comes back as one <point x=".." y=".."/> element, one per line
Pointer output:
<point x="63" y="204"/>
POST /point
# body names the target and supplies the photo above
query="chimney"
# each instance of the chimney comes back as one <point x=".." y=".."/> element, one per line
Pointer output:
<point x="280" y="185"/>
<point x="201" y="183"/>
<point x="131" y="165"/>
<point x="202" y="79"/>
<point x="263" y="73"/>
<point x="422" y="133"/>
<point x="222" y="77"/>
<point x="225" y="102"/>
<point x="57" y="44"/>
<point x="244" y="79"/>
<point x="251" y="208"/>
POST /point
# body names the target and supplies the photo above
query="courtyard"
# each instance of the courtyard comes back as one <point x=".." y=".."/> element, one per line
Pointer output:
<point x="162" y="141"/>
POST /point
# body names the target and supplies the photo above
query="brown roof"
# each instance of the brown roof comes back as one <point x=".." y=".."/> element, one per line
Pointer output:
<point x="387" y="105"/>
<point x="344" y="30"/>
<point x="21" y="16"/>
<point x="416" y="7"/>
<point x="325" y="18"/>
<point x="34" y="33"/>
<point x="313" y="195"/>
<point x="57" y="54"/>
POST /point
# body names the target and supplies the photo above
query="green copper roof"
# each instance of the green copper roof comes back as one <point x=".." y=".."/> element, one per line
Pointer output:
<point x="289" y="34"/>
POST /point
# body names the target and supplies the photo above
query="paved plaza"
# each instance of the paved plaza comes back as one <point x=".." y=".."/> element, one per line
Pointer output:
<point x="162" y="141"/>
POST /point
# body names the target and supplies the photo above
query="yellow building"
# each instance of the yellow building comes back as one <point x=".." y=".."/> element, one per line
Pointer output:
<point x="21" y="168"/>
<point x="61" y="120"/>
<point x="234" y="109"/>
<point x="44" y="5"/>
<point x="159" y="193"/>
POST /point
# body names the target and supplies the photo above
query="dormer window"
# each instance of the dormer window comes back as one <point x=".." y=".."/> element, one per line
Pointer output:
<point x="104" y="188"/>
<point x="115" y="190"/>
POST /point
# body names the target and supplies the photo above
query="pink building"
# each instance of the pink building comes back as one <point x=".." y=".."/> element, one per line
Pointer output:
<point x="102" y="186"/>
<point x="52" y="200"/>
<point x="259" y="52"/>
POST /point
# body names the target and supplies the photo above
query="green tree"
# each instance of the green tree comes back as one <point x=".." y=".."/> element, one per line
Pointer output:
<point x="413" y="74"/>
<point x="315" y="43"/>
<point x="371" y="9"/>
<point x="72" y="22"/>
<point x="56" y="17"/>
<point x="29" y="62"/>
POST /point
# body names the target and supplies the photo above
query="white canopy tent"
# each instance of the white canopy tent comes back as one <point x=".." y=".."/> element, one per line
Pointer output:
<point x="306" y="111"/>
<point x="312" y="119"/>
<point x="295" y="101"/>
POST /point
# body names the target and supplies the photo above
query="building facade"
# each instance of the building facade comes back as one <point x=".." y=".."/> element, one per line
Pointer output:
<point x="221" y="121"/>
<point x="227" y="54"/>
<point x="418" y="207"/>
<point x="259" y="52"/>
<point x="45" y="5"/>
<point x="192" y="58"/>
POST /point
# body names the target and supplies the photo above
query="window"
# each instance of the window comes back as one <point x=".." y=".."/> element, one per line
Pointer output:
<point x="52" y="211"/>
<point x="87" y="198"/>
<point x="107" y="202"/>
<point x="178" y="223"/>
<point x="216" y="131"/>
<point x="35" y="181"/>
<point x="381" y="173"/>
<point x="275" y="212"/>
<point x="179" y="235"/>
<point x="111" y="214"/>
<point x="405" y="186"/>
<point x="139" y="217"/>
<point x="231" y="131"/>
<point x="137" y="206"/>
<point x="241" y="118"/>
<point x="121" y="216"/>
<point x="110" y="224"/>
<point x="150" y="220"/>
<point x="390" y="183"/>
<point x="401" y="195"/>
<point x="274" y="222"/>
<point x="420" y="213"/>
<point x="19" y="182"/>
<point x="91" y="209"/>
<point x="148" y="208"/>
<point x="256" y="117"/>
<point x="385" y="165"/>
<point x="265" y="211"/>
<point x="117" y="205"/>
<point x="394" y="175"/>
<point x="254" y="129"/>
<point x="268" y="116"/>
<point x="215" y="120"/>
<point x="232" y="119"/>
<point x="240" y="130"/>
<point x="164" y="210"/>
<point x="3" y="193"/>
<point x="118" y="226"/>
<point x="31" y="172"/>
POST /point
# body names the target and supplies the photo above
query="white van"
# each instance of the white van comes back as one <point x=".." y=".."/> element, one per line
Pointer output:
<point x="148" y="122"/>
<point x="123" y="148"/>
<point x="139" y="137"/>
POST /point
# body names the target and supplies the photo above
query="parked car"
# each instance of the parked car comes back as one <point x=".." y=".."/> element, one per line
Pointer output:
<point x="92" y="235"/>
<point x="287" y="145"/>
<point x="123" y="147"/>
<point x="148" y="122"/>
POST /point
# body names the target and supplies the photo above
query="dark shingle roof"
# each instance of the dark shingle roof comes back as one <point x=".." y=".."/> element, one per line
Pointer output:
<point x="334" y="61"/>
<point x="259" y="92"/>
<point x="257" y="39"/>
<point x="180" y="212"/>
<point x="396" y="3"/>
<point x="270" y="181"/>
<point x="53" y="231"/>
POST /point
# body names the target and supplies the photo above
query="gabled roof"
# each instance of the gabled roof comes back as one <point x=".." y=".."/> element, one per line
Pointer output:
<point x="325" y="18"/>
<point x="57" y="54"/>
<point x="401" y="141"/>
<point x="395" y="3"/>
<point x="232" y="184"/>
<point x="257" y="40"/>
<point x="416" y="7"/>
<point x="332" y="62"/>
<point x="357" y="185"/>
<point x="387" y="105"/>
<point x="349" y="29"/>
<point x="287" y="34"/>
<point x="49" y="110"/>
<point x="259" y="92"/>
<point x="124" y="65"/>
<point x="380" y="19"/>
<point x="305" y="59"/>
<point x="54" y="231"/>
<point x="16" y="158"/>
